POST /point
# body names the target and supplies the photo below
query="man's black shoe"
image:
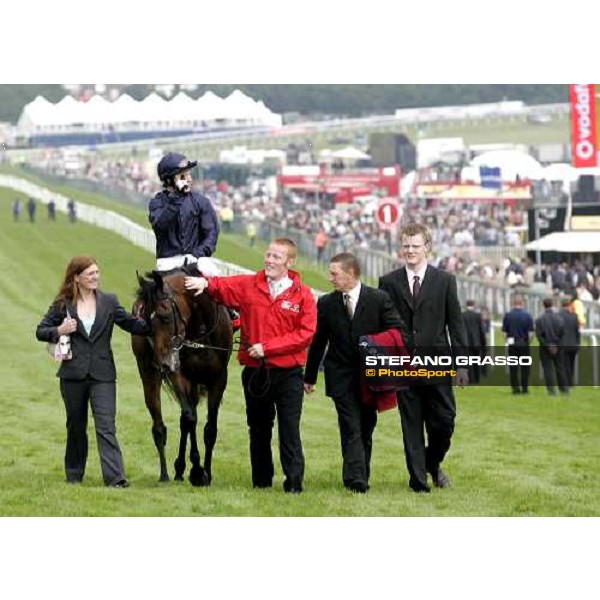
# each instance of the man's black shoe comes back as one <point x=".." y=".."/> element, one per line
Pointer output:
<point x="292" y="488"/>
<point x="516" y="392"/>
<point x="123" y="483"/>
<point x="357" y="488"/>
<point x="420" y="489"/>
<point x="440" y="479"/>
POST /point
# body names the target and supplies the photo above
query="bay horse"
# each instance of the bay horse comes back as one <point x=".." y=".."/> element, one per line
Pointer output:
<point x="188" y="349"/>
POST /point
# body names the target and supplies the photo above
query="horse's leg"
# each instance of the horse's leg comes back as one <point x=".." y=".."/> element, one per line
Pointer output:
<point x="151" y="381"/>
<point x="215" y="395"/>
<point x="182" y="390"/>
<point x="197" y="473"/>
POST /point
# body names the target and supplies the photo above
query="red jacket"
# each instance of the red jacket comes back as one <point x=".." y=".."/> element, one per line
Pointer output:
<point x="284" y="326"/>
<point x="383" y="397"/>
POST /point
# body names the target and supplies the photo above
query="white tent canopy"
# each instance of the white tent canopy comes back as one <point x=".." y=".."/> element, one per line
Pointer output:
<point x="67" y="115"/>
<point x="350" y="153"/>
<point x="567" y="241"/>
<point x="511" y="164"/>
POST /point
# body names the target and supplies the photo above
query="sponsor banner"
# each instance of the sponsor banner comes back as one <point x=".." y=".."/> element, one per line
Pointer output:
<point x="585" y="223"/>
<point x="584" y="137"/>
<point x="569" y="366"/>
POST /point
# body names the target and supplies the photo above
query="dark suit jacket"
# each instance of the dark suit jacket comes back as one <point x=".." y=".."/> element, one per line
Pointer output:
<point x="549" y="328"/>
<point x="374" y="313"/>
<point x="474" y="329"/>
<point x="436" y="320"/>
<point x="572" y="336"/>
<point x="92" y="355"/>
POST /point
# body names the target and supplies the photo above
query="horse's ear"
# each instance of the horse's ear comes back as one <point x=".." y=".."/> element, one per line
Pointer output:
<point x="158" y="280"/>
<point x="140" y="279"/>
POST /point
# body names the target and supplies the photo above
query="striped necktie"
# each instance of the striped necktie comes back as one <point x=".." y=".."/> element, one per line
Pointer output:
<point x="348" y="305"/>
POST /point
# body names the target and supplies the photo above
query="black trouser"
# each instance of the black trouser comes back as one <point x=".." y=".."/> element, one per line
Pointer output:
<point x="269" y="392"/>
<point x="474" y="371"/>
<point x="519" y="349"/>
<point x="569" y="357"/>
<point x="550" y="363"/>
<point x="102" y="397"/>
<point x="428" y="408"/>
<point x="357" y="423"/>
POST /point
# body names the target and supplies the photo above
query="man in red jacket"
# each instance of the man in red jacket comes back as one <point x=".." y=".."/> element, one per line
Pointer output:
<point x="278" y="320"/>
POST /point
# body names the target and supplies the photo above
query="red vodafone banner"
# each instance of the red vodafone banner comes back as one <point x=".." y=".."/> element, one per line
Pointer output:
<point x="584" y="141"/>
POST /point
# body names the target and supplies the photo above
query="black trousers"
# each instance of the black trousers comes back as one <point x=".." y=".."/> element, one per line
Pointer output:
<point x="431" y="409"/>
<point x="519" y="349"/>
<point x="357" y="423"/>
<point x="569" y="357"/>
<point x="271" y="392"/>
<point x="101" y="395"/>
<point x="550" y="364"/>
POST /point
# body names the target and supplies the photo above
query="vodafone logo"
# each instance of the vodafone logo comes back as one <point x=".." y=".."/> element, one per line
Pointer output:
<point x="583" y="125"/>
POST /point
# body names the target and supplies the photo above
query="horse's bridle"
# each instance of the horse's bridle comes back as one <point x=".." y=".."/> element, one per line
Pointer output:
<point x="179" y="341"/>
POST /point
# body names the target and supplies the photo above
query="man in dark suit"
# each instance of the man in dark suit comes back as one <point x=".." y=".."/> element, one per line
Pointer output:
<point x="550" y="329"/>
<point x="475" y="337"/>
<point x="427" y="301"/>
<point x="352" y="310"/>
<point x="571" y="339"/>
<point x="517" y="325"/>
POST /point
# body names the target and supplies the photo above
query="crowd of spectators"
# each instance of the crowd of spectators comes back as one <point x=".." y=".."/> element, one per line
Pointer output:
<point x="458" y="229"/>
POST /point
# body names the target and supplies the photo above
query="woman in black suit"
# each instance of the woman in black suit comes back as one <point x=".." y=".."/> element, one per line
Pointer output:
<point x="88" y="315"/>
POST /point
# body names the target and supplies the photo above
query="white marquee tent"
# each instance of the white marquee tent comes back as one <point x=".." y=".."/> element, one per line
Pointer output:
<point x="567" y="241"/>
<point x="154" y="112"/>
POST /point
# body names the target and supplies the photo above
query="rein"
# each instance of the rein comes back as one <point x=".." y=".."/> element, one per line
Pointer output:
<point x="179" y="341"/>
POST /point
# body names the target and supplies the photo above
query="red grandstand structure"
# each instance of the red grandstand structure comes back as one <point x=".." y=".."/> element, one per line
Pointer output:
<point x="343" y="186"/>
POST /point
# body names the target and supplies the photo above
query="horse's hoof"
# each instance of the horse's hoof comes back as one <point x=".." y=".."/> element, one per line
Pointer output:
<point x="199" y="477"/>
<point x="178" y="477"/>
<point x="164" y="478"/>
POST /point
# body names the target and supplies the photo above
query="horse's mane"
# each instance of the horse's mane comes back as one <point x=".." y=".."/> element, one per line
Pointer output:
<point x="147" y="292"/>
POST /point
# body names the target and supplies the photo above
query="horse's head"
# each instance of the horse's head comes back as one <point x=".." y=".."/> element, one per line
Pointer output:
<point x="167" y="308"/>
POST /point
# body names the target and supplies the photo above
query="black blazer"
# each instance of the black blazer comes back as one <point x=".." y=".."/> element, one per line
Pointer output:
<point x="550" y="328"/>
<point x="436" y="320"/>
<point x="374" y="313"/>
<point x="572" y="336"/>
<point x="92" y="355"/>
<point x="474" y="329"/>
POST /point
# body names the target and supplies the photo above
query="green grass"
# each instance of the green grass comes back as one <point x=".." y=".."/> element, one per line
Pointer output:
<point x="514" y="130"/>
<point x="510" y="455"/>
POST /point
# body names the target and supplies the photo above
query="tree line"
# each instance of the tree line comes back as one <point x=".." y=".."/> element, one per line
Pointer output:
<point x="351" y="100"/>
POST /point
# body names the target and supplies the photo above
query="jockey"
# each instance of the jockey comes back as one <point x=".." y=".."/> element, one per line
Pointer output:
<point x="184" y="222"/>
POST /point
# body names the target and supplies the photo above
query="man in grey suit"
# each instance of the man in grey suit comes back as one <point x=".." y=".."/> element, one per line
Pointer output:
<point x="427" y="300"/>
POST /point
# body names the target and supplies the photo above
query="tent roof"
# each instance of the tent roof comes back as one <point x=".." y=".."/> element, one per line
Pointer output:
<point x="511" y="163"/>
<point x="350" y="153"/>
<point x="182" y="108"/>
<point x="567" y="241"/>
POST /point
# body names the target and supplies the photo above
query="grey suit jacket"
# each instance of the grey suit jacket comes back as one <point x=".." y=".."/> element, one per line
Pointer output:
<point x="92" y="355"/>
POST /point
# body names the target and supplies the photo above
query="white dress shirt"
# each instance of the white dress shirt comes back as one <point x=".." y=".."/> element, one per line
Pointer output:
<point x="277" y="287"/>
